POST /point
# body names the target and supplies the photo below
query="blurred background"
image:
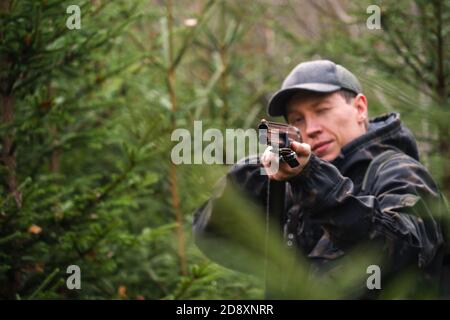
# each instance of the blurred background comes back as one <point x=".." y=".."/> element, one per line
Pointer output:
<point x="87" y="115"/>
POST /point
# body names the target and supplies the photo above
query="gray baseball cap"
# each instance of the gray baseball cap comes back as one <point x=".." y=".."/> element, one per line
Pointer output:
<point x="317" y="76"/>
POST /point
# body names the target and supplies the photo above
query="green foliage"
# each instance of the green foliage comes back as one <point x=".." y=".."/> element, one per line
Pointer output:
<point x="91" y="133"/>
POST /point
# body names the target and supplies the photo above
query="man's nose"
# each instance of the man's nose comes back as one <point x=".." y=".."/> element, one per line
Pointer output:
<point x="312" y="128"/>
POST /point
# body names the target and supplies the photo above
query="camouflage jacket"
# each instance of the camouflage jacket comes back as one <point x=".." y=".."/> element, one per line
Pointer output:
<point x="328" y="211"/>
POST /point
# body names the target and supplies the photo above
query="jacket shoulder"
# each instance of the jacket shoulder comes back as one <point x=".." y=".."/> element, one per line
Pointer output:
<point x="396" y="167"/>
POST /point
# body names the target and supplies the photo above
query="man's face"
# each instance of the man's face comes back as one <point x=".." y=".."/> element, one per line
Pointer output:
<point x="327" y="122"/>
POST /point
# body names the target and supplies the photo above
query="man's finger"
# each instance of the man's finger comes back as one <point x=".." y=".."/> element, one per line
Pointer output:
<point x="301" y="149"/>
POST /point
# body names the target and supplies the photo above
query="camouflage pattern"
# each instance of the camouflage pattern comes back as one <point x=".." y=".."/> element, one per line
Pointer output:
<point x="328" y="211"/>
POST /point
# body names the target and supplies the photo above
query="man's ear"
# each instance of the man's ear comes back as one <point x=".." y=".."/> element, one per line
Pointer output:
<point x="360" y="103"/>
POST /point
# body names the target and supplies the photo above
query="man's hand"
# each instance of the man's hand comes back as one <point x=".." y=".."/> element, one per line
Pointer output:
<point x="283" y="171"/>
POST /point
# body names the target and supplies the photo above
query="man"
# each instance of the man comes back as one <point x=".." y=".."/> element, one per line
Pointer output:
<point x="358" y="181"/>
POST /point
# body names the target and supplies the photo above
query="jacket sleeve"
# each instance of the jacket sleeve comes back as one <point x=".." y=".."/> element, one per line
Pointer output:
<point x="396" y="209"/>
<point x="221" y="225"/>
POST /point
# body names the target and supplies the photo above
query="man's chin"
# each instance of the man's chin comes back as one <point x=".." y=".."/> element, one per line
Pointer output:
<point x="329" y="156"/>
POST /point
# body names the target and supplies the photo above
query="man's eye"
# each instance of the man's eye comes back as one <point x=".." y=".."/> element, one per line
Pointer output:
<point x="322" y="110"/>
<point x="298" y="120"/>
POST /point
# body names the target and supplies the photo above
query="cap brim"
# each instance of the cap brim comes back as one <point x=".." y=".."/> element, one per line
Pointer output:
<point x="277" y="103"/>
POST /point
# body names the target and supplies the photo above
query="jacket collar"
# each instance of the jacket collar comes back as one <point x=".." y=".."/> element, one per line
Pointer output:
<point x="384" y="132"/>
